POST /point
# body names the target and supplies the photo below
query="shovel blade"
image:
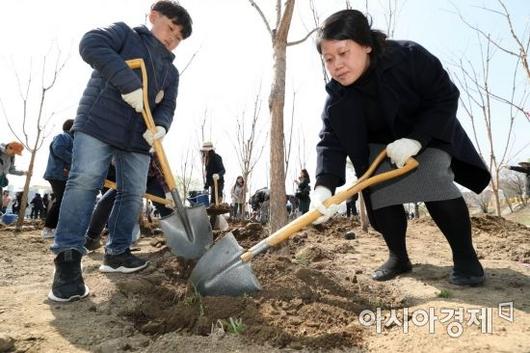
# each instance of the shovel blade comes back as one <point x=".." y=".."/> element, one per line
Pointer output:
<point x="189" y="245"/>
<point x="221" y="272"/>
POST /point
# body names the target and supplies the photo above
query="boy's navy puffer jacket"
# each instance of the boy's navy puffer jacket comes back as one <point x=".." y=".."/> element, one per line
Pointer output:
<point x="102" y="112"/>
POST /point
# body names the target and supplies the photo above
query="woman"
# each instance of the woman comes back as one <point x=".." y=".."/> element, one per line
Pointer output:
<point x="395" y="94"/>
<point x="302" y="191"/>
<point x="238" y="197"/>
<point x="214" y="170"/>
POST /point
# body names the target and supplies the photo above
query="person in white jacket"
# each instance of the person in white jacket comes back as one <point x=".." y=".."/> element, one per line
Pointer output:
<point x="238" y="197"/>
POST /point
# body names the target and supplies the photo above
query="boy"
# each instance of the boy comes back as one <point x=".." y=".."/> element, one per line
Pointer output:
<point x="109" y="126"/>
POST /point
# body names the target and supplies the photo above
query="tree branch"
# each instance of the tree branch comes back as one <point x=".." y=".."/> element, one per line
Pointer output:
<point x="304" y="38"/>
<point x="263" y="18"/>
<point x="7" y="121"/>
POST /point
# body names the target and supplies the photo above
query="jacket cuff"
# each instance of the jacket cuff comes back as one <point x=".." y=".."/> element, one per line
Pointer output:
<point x="329" y="181"/>
<point x="423" y="139"/>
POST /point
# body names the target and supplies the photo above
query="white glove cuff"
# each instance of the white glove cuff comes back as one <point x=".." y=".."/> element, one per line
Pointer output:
<point x="326" y="211"/>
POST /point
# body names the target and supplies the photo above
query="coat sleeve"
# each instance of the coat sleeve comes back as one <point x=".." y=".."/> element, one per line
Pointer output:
<point x="100" y="49"/>
<point x="519" y="169"/>
<point x="331" y="158"/>
<point x="220" y="167"/>
<point x="13" y="170"/>
<point x="439" y="98"/>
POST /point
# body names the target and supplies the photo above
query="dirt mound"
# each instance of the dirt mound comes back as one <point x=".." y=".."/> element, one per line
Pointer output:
<point x="313" y="291"/>
<point x="495" y="238"/>
<point x="498" y="238"/>
<point x="303" y="303"/>
<point x="497" y="226"/>
<point x="299" y="307"/>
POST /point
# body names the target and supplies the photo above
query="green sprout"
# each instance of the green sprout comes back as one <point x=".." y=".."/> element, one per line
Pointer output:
<point x="444" y="293"/>
<point x="233" y="326"/>
<point x="196" y="297"/>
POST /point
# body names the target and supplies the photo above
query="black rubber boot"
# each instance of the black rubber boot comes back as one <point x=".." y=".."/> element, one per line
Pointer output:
<point x="68" y="284"/>
<point x="467" y="272"/>
<point x="391" y="268"/>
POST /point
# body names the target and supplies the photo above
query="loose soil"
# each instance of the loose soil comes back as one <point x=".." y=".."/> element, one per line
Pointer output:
<point x="314" y="290"/>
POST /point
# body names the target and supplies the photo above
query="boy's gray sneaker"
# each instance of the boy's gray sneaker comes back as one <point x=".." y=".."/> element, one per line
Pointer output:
<point x="124" y="263"/>
<point x="68" y="284"/>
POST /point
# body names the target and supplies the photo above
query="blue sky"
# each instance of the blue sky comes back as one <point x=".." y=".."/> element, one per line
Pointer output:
<point x="233" y="60"/>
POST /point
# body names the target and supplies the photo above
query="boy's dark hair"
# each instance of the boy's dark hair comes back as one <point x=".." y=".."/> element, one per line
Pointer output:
<point x="176" y="13"/>
<point x="353" y="25"/>
<point x="67" y="125"/>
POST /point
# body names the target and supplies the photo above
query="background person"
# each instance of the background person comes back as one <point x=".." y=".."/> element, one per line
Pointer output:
<point x="523" y="167"/>
<point x="57" y="169"/>
<point x="238" y="197"/>
<point x="214" y="169"/>
<point x="303" y="190"/>
<point x="37" y="207"/>
<point x="7" y="162"/>
<point x="351" y="207"/>
<point x="6" y="200"/>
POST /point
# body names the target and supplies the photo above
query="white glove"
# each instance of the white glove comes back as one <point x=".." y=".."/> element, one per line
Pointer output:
<point x="401" y="150"/>
<point x="135" y="99"/>
<point x="215" y="176"/>
<point x="318" y="196"/>
<point x="150" y="137"/>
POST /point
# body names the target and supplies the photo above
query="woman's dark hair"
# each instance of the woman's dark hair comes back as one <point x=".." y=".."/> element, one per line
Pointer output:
<point x="208" y="156"/>
<point x="176" y="13"/>
<point x="306" y="175"/>
<point x="67" y="125"/>
<point x="351" y="24"/>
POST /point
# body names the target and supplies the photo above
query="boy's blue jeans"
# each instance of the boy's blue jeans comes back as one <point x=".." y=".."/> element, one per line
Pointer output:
<point x="90" y="162"/>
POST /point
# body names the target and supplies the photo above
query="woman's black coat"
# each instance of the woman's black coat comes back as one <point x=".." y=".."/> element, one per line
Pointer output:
<point x="418" y="101"/>
<point x="214" y="166"/>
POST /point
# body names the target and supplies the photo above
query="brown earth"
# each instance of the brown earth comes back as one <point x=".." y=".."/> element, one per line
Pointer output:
<point x="313" y="293"/>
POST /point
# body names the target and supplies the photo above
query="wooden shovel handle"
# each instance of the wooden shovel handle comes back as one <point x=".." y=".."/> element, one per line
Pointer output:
<point x="112" y="185"/>
<point x="150" y="123"/>
<point x="309" y="217"/>
<point x="216" y="193"/>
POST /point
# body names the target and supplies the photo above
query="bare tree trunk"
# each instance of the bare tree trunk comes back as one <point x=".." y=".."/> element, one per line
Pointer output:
<point x="185" y="178"/>
<point x="289" y="143"/>
<point x="278" y="211"/>
<point x="508" y="202"/>
<point x="39" y="124"/>
<point x="25" y="192"/>
<point x="479" y="95"/>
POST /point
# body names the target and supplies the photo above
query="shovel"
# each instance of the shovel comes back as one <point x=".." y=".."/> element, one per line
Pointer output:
<point x="112" y="185"/>
<point x="187" y="230"/>
<point x="225" y="269"/>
